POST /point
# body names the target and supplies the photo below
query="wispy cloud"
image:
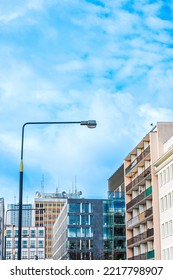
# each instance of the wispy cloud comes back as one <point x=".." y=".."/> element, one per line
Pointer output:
<point x="75" y="60"/>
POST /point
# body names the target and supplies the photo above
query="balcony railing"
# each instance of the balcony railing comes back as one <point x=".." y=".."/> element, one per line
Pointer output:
<point x="140" y="237"/>
<point x="137" y="160"/>
<point x="140" y="217"/>
<point x="138" y="179"/>
<point x="144" y="256"/>
<point x="139" y="198"/>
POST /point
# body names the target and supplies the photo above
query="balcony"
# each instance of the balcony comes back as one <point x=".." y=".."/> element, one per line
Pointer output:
<point x="140" y="218"/>
<point x="137" y="160"/>
<point x="139" y="198"/>
<point x="140" y="237"/>
<point x="144" y="256"/>
<point x="140" y="179"/>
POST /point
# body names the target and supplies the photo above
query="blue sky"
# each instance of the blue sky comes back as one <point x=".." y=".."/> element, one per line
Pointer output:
<point x="75" y="60"/>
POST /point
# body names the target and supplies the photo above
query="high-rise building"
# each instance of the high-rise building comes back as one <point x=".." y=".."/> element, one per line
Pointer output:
<point x="12" y="214"/>
<point x="164" y="171"/>
<point x="48" y="206"/>
<point x="2" y="209"/>
<point x="142" y="194"/>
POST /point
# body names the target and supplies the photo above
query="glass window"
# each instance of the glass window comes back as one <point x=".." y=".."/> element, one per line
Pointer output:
<point x="72" y="219"/>
<point x="87" y="220"/>
<point x="32" y="233"/>
<point x="160" y="180"/>
<point x="87" y="232"/>
<point x="83" y="232"/>
<point x="8" y="233"/>
<point x="32" y="254"/>
<point x="82" y="220"/>
<point x="25" y="232"/>
<point x="24" y="254"/>
<point x="8" y="244"/>
<point x="24" y="243"/>
<point x="40" y="233"/>
<point x="16" y="233"/>
<point x="87" y="208"/>
<point x="71" y="232"/>
<point x="91" y="220"/>
<point x="40" y="243"/>
<point x="32" y="243"/>
<point x="74" y="207"/>
<point x="16" y="243"/>
<point x="40" y="254"/>
<point x="72" y="245"/>
<point x="78" y="232"/>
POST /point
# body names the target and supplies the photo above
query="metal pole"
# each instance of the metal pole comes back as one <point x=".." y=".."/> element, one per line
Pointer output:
<point x="89" y="124"/>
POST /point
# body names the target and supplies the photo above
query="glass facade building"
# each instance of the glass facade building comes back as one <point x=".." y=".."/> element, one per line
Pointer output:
<point x="91" y="229"/>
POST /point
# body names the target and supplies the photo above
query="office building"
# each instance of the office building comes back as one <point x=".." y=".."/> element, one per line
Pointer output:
<point x="142" y="194"/>
<point x="12" y="214"/>
<point x="33" y="242"/>
<point x="85" y="229"/>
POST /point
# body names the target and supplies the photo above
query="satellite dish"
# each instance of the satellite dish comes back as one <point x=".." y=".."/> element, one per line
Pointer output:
<point x="38" y="194"/>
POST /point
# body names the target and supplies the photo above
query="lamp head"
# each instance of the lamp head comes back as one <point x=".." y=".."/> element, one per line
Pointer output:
<point x="89" y="124"/>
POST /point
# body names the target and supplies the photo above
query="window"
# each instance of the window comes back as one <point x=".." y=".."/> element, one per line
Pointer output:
<point x="25" y="233"/>
<point x="167" y="175"/>
<point x="32" y="233"/>
<point x="164" y="177"/>
<point x="40" y="254"/>
<point x="8" y="246"/>
<point x="170" y="228"/>
<point x="40" y="243"/>
<point x="40" y="233"/>
<point x="24" y="243"/>
<point x="32" y="244"/>
<point x="71" y="232"/>
<point x="32" y="254"/>
<point x="24" y="254"/>
<point x="160" y="180"/>
<point x="8" y="233"/>
<point x="165" y="203"/>
<point x="169" y="200"/>
<point x="72" y="220"/>
<point x="74" y="207"/>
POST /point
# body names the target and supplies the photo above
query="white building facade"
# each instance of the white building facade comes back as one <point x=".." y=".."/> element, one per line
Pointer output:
<point x="33" y="242"/>
<point x="164" y="170"/>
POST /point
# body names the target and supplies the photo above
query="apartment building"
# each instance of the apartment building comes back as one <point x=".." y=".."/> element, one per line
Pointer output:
<point x="33" y="242"/>
<point x="142" y="194"/>
<point x="164" y="171"/>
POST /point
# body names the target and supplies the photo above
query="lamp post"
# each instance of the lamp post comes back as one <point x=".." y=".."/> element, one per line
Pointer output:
<point x="89" y="124"/>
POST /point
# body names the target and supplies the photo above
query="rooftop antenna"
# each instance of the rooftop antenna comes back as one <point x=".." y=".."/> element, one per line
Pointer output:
<point x="14" y="199"/>
<point x="42" y="184"/>
<point x="75" y="185"/>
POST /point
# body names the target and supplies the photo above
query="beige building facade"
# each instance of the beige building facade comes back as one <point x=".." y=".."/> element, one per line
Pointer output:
<point x="142" y="194"/>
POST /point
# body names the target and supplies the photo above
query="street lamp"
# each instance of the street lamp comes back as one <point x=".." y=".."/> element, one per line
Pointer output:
<point x="89" y="124"/>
